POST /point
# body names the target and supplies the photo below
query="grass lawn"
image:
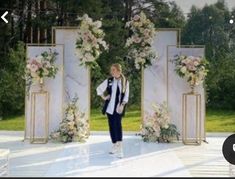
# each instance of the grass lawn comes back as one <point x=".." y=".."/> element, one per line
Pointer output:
<point x="220" y="121"/>
<point x="216" y="121"/>
<point x="131" y="121"/>
<point x="15" y="123"/>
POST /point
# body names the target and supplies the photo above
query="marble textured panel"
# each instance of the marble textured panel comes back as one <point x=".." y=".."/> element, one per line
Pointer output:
<point x="155" y="76"/>
<point x="76" y="77"/>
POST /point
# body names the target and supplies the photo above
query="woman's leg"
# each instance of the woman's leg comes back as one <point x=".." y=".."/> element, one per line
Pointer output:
<point x="118" y="126"/>
<point x="112" y="130"/>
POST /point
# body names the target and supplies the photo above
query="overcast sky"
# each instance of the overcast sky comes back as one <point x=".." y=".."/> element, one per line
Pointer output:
<point x="187" y="4"/>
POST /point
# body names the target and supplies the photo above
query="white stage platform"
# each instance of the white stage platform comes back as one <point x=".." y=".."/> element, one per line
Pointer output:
<point x="92" y="158"/>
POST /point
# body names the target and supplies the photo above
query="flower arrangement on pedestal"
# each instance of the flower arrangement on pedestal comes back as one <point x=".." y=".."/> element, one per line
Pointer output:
<point x="139" y="44"/>
<point x="73" y="127"/>
<point x="90" y="41"/>
<point x="157" y="127"/>
<point x="193" y="69"/>
<point x="41" y="67"/>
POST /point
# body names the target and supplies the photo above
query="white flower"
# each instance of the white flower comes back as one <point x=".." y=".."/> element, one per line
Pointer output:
<point x="47" y="64"/>
<point x="136" y="39"/>
<point x="183" y="69"/>
<point x="142" y="54"/>
<point x="98" y="24"/>
<point x="28" y="66"/>
<point x="137" y="66"/>
<point x="87" y="47"/>
<point x="129" y="42"/>
<point x="39" y="59"/>
<point x="90" y="39"/>
<point x="70" y="117"/>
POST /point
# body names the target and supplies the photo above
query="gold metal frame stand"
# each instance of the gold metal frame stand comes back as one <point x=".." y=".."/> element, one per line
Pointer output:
<point x="198" y="138"/>
<point x="33" y="139"/>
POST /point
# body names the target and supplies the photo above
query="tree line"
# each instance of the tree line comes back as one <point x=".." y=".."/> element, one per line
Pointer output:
<point x="31" y="22"/>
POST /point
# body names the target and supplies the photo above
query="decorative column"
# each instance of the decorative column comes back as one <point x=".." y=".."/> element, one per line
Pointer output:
<point x="35" y="117"/>
<point x="189" y="140"/>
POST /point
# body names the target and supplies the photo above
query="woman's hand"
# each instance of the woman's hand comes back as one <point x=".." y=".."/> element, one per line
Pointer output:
<point x="120" y="108"/>
<point x="105" y="97"/>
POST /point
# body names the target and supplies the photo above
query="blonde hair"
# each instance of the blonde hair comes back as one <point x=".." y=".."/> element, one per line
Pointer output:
<point x="118" y="66"/>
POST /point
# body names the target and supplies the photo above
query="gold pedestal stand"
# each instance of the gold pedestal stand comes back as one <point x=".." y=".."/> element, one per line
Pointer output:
<point x="33" y="139"/>
<point x="197" y="139"/>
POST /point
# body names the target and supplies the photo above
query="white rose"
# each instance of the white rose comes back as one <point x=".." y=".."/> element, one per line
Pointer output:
<point x="98" y="24"/>
<point x="28" y="66"/>
<point x="142" y="54"/>
<point x="85" y="16"/>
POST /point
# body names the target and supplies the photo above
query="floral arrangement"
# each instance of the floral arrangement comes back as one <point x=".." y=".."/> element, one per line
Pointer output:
<point x="157" y="127"/>
<point x="90" y="41"/>
<point x="139" y="44"/>
<point x="40" y="67"/>
<point x="73" y="127"/>
<point x="194" y="69"/>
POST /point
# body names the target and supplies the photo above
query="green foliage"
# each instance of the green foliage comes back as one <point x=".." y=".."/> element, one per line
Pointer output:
<point x="169" y="134"/>
<point x="12" y="85"/>
<point x="221" y="84"/>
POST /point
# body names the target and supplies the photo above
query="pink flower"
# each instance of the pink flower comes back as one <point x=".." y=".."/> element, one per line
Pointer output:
<point x="136" y="39"/>
<point x="94" y="41"/>
<point x="191" y="67"/>
<point x="35" y="62"/>
<point x="85" y="36"/>
<point x="146" y="32"/>
<point x="34" y="67"/>
<point x="136" y="17"/>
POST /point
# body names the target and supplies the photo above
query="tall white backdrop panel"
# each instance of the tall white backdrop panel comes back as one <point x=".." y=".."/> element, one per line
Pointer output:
<point x="55" y="89"/>
<point x="177" y="86"/>
<point x="76" y="77"/>
<point x="155" y="76"/>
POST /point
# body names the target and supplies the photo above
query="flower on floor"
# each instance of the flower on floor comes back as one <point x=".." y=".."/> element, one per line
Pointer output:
<point x="139" y="44"/>
<point x="157" y="127"/>
<point x="74" y="126"/>
<point x="193" y="69"/>
<point x="41" y="66"/>
<point x="90" y="41"/>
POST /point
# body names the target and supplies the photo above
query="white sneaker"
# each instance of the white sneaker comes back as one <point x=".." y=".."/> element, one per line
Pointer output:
<point x="119" y="150"/>
<point x="114" y="149"/>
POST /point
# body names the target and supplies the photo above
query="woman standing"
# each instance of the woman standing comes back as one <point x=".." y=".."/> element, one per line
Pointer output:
<point x="117" y="89"/>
